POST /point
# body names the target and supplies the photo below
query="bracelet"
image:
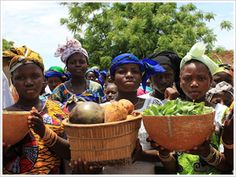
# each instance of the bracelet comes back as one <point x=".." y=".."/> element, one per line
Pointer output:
<point x="166" y="158"/>
<point x="218" y="158"/>
<point x="227" y="146"/>
<point x="50" y="137"/>
<point x="210" y="155"/>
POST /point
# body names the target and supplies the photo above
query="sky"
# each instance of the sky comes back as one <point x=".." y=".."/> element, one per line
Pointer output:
<point x="37" y="25"/>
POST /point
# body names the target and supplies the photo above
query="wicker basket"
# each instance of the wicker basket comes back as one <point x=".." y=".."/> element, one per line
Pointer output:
<point x="104" y="143"/>
<point x="179" y="133"/>
<point x="15" y="126"/>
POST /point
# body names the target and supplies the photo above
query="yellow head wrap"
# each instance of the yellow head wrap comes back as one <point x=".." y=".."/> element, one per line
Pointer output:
<point x="22" y="55"/>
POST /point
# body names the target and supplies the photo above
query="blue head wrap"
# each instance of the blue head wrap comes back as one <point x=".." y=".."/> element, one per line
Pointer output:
<point x="147" y="66"/>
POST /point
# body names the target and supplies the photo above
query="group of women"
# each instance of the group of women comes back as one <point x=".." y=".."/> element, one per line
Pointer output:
<point x="45" y="147"/>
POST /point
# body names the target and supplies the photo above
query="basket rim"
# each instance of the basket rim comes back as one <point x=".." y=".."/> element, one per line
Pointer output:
<point x="15" y="112"/>
<point x="213" y="112"/>
<point x="65" y="122"/>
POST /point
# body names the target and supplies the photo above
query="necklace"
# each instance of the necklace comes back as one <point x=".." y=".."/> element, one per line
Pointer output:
<point x="72" y="89"/>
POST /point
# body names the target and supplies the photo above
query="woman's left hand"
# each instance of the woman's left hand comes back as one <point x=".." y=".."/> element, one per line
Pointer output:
<point x="35" y="121"/>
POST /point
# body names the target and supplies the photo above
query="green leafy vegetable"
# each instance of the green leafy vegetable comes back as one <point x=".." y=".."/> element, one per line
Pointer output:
<point x="177" y="108"/>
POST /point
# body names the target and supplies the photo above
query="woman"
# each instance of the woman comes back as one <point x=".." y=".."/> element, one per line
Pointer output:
<point x="78" y="87"/>
<point x="55" y="75"/>
<point x="127" y="72"/>
<point x="168" y="80"/>
<point x="196" y="70"/>
<point x="40" y="151"/>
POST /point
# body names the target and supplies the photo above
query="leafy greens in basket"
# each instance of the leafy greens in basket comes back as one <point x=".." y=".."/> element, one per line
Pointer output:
<point x="177" y="108"/>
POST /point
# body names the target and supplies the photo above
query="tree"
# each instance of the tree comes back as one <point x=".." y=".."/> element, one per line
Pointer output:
<point x="107" y="30"/>
<point x="7" y="44"/>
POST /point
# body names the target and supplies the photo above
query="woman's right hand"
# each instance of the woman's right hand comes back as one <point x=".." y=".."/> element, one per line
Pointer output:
<point x="162" y="150"/>
<point x="82" y="167"/>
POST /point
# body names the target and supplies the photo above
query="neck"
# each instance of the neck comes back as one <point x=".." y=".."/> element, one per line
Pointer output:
<point x="77" y="80"/>
<point x="27" y="105"/>
<point x="131" y="96"/>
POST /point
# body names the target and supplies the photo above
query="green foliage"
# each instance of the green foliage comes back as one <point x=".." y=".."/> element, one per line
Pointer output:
<point x="107" y="30"/>
<point x="177" y="108"/>
<point x="7" y="44"/>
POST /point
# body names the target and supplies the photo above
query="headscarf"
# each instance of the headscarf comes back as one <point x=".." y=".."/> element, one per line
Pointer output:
<point x="72" y="46"/>
<point x="168" y="58"/>
<point x="220" y="87"/>
<point x="97" y="75"/>
<point x="22" y="55"/>
<point x="197" y="53"/>
<point x="224" y="68"/>
<point x="56" y="71"/>
<point x="147" y="66"/>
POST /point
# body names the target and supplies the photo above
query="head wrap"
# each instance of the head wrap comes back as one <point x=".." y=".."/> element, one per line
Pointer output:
<point x="224" y="68"/>
<point x="97" y="74"/>
<point x="147" y="66"/>
<point x="56" y="71"/>
<point x="197" y="53"/>
<point x="23" y="55"/>
<point x="168" y="58"/>
<point x="72" y="46"/>
<point x="103" y="73"/>
<point x="220" y="87"/>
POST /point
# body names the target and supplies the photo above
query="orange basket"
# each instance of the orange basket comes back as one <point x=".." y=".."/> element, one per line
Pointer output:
<point x="15" y="126"/>
<point x="179" y="133"/>
<point x="104" y="143"/>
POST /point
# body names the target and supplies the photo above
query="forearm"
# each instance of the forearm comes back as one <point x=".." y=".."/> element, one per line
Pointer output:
<point x="169" y="162"/>
<point x="62" y="148"/>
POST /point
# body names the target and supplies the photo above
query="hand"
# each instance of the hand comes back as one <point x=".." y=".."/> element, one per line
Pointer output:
<point x="82" y="167"/>
<point x="171" y="93"/>
<point x="201" y="150"/>
<point x="162" y="151"/>
<point x="138" y="151"/>
<point x="35" y="121"/>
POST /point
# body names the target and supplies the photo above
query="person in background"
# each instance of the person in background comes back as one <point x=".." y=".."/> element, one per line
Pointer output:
<point x="222" y="93"/>
<point x="55" y="75"/>
<point x="41" y="150"/>
<point x="78" y="88"/>
<point x="196" y="71"/>
<point x="6" y="61"/>
<point x="111" y="91"/>
<point x="141" y="91"/>
<point x="223" y="73"/>
<point x="7" y="98"/>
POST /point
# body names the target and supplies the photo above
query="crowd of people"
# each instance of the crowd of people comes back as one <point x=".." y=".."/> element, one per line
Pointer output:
<point x="50" y="96"/>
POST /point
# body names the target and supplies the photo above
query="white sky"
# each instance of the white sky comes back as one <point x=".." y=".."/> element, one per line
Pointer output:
<point x="36" y="24"/>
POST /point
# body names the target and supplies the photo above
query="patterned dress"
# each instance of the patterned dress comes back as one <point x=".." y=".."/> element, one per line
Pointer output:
<point x="93" y="92"/>
<point x="31" y="155"/>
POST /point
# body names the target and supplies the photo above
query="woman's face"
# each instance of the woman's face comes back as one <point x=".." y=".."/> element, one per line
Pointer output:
<point x="195" y="80"/>
<point x="53" y="82"/>
<point x="77" y="65"/>
<point x="163" y="80"/>
<point x="128" y="77"/>
<point x="28" y="80"/>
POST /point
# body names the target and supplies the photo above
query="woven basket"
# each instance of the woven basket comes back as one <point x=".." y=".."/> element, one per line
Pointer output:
<point x="15" y="126"/>
<point x="179" y="133"/>
<point x="104" y="143"/>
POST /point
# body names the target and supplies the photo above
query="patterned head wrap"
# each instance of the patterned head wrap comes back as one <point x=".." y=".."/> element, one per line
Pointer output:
<point x="23" y="55"/>
<point x="220" y="87"/>
<point x="197" y="53"/>
<point x="56" y="71"/>
<point x="72" y="46"/>
<point x="148" y="67"/>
